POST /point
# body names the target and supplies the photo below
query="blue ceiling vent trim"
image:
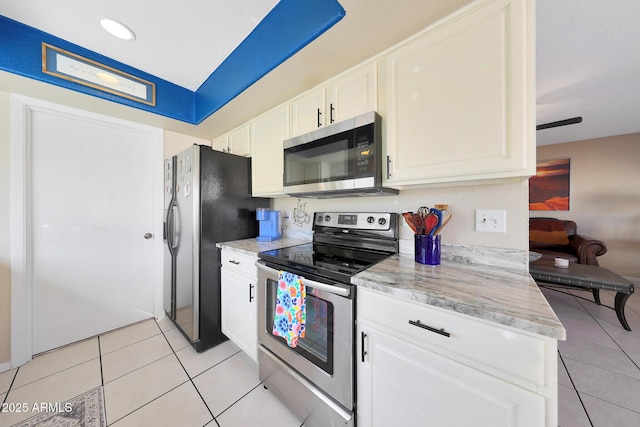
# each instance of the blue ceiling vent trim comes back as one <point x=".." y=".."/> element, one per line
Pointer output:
<point x="290" y="26"/>
<point x="21" y="53"/>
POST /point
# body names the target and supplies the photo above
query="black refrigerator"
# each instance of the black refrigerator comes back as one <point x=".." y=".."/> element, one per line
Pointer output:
<point x="207" y="199"/>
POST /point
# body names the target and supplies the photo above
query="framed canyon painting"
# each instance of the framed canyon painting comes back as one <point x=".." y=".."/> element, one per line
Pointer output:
<point x="549" y="188"/>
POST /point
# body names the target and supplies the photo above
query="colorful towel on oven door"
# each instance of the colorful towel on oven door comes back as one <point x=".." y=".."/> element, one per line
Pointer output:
<point x="290" y="317"/>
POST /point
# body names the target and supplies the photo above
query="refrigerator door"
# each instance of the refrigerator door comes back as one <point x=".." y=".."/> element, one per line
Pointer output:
<point x="168" y="234"/>
<point x="187" y="232"/>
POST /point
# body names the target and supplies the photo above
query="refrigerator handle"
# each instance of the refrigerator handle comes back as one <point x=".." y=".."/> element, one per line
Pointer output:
<point x="167" y="224"/>
<point x="170" y="225"/>
<point x="174" y="236"/>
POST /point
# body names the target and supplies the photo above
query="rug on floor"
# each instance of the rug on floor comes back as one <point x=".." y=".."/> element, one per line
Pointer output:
<point x="86" y="410"/>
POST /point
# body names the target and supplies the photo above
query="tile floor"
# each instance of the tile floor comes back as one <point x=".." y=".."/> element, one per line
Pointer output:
<point x="152" y="377"/>
<point x="599" y="363"/>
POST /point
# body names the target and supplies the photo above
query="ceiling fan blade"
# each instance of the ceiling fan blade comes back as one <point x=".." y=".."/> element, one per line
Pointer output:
<point x="564" y="122"/>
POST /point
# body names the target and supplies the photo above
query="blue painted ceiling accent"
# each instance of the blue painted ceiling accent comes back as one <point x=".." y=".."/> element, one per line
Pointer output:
<point x="291" y="25"/>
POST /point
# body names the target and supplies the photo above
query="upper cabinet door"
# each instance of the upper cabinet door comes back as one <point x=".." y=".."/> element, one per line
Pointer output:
<point x="307" y="112"/>
<point x="239" y="142"/>
<point x="347" y="96"/>
<point x="267" y="164"/>
<point x="220" y="143"/>
<point x="352" y="94"/>
<point x="460" y="98"/>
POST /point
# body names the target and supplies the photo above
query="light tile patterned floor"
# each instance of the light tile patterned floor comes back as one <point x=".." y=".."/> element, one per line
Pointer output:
<point x="599" y="363"/>
<point x="152" y="377"/>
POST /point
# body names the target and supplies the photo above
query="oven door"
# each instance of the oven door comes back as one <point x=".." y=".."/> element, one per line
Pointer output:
<point x="325" y="355"/>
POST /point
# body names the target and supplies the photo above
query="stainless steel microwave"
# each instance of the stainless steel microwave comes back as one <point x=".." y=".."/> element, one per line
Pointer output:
<point x="340" y="160"/>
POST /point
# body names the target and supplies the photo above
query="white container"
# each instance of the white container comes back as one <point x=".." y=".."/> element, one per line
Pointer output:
<point x="561" y="263"/>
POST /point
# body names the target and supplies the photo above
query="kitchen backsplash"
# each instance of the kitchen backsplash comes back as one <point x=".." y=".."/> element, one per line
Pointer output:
<point x="460" y="241"/>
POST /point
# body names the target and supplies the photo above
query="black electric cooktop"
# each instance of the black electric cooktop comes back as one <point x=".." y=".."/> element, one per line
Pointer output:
<point x="327" y="261"/>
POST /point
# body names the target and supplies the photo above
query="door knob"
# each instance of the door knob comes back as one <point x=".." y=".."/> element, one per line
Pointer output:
<point x="148" y="236"/>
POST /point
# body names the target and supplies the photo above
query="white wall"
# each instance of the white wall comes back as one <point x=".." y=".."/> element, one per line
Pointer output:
<point x="5" y="244"/>
<point x="176" y="142"/>
<point x="605" y="196"/>
<point x="462" y="201"/>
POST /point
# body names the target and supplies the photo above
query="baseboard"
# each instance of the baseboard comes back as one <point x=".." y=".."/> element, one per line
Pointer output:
<point x="5" y="366"/>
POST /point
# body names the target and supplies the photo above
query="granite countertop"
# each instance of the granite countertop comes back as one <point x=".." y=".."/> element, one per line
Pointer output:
<point x="502" y="295"/>
<point x="251" y="247"/>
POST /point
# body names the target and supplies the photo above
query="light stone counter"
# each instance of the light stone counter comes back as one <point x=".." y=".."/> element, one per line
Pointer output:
<point x="251" y="247"/>
<point x="506" y="296"/>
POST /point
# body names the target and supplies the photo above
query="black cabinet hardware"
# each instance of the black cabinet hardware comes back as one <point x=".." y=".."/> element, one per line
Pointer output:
<point x="234" y="262"/>
<point x="251" y="297"/>
<point x="319" y="115"/>
<point x="363" y="352"/>
<point x="429" y="328"/>
<point x="331" y="120"/>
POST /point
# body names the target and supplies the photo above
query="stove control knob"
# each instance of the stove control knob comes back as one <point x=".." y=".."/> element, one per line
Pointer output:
<point x="382" y="221"/>
<point x="370" y="220"/>
<point x="327" y="218"/>
<point x="319" y="218"/>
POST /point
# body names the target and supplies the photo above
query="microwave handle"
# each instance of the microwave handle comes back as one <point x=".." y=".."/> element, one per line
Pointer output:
<point x="337" y="290"/>
<point x="388" y="167"/>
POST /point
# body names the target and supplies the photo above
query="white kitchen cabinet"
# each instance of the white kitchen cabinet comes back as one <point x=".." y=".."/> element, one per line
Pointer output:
<point x="267" y="165"/>
<point x="352" y="94"/>
<point x="307" y="112"/>
<point x="238" y="301"/>
<point x="480" y="375"/>
<point x="348" y="95"/>
<point x="235" y="142"/>
<point x="220" y="143"/>
<point x="460" y="98"/>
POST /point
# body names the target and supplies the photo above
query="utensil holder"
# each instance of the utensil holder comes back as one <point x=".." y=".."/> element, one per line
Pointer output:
<point x="427" y="249"/>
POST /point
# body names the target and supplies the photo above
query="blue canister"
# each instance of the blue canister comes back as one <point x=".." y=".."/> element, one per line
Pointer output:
<point x="427" y="249"/>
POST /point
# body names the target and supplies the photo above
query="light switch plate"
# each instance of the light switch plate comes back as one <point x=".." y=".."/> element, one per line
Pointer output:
<point x="491" y="221"/>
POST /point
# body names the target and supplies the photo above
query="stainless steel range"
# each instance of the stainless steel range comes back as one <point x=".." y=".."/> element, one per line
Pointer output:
<point x="316" y="377"/>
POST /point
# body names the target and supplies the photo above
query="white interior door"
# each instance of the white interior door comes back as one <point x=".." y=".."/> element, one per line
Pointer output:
<point x="92" y="201"/>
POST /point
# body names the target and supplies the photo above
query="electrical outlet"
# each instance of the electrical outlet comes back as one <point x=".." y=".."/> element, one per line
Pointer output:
<point x="491" y="221"/>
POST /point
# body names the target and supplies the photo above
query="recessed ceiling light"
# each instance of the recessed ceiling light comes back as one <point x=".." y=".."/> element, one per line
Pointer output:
<point x="117" y="29"/>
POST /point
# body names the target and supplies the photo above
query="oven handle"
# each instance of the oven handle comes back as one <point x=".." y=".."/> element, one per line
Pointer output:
<point x="336" y="290"/>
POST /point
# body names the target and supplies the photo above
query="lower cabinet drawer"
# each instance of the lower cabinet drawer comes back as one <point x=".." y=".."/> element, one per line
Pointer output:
<point x="239" y="263"/>
<point x="500" y="351"/>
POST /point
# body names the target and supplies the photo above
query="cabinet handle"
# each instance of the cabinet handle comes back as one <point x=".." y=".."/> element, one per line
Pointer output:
<point x="363" y="352"/>
<point x="319" y="115"/>
<point x="388" y="167"/>
<point x="331" y="113"/>
<point x="234" y="262"/>
<point x="251" y="297"/>
<point x="429" y="328"/>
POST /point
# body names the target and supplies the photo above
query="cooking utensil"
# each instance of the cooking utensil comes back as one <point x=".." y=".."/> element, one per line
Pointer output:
<point x="423" y="211"/>
<point x="445" y="220"/>
<point x="408" y="217"/>
<point x="430" y="222"/>
<point x="419" y="223"/>
<point x="438" y="214"/>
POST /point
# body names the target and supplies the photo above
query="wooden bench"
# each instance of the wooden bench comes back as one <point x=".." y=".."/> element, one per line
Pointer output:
<point x="584" y="276"/>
